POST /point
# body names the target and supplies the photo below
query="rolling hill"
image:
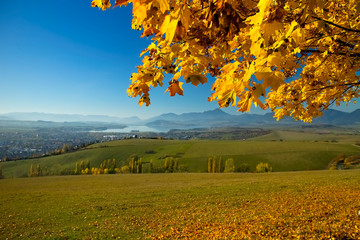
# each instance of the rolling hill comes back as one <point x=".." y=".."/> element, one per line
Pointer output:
<point x="193" y="155"/>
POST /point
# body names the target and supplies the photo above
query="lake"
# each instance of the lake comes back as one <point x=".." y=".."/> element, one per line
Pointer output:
<point x="129" y="129"/>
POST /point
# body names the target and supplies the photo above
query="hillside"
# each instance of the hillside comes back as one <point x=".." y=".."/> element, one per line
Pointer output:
<point x="283" y="154"/>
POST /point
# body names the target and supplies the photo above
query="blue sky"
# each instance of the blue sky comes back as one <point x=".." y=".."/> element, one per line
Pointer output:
<point x="71" y="58"/>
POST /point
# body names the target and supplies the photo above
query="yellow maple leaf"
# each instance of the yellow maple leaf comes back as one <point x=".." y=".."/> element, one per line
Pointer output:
<point x="144" y="99"/>
<point x="270" y="28"/>
<point x="298" y="35"/>
<point x="122" y="2"/>
<point x="169" y="25"/>
<point x="250" y="71"/>
<point x="275" y="59"/>
<point x="139" y="10"/>
<point x="258" y="18"/>
<point x="186" y="18"/>
<point x="297" y="50"/>
<point x="196" y="79"/>
<point x="165" y="24"/>
<point x="171" y="29"/>
<point x="177" y="76"/>
<point x="175" y="88"/>
<point x="245" y="102"/>
<point x="291" y="28"/>
<point x="103" y="4"/>
<point x="150" y="31"/>
<point x="164" y="5"/>
<point x="227" y="99"/>
<point x="270" y="78"/>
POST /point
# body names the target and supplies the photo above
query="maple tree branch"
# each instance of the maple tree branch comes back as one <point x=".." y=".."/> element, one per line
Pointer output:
<point x="326" y="106"/>
<point x="348" y="85"/>
<point x="344" y="43"/>
<point x="341" y="53"/>
<point x="334" y="100"/>
<point x="336" y="25"/>
<point x="324" y="36"/>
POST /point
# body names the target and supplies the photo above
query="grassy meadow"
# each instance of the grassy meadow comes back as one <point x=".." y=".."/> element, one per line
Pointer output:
<point x="282" y="205"/>
<point x="286" y="204"/>
<point x="283" y="150"/>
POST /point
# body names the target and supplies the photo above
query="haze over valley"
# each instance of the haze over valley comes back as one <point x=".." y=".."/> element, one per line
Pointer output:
<point x="24" y="135"/>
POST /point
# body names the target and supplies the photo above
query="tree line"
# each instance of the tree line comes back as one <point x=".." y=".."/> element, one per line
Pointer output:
<point x="217" y="165"/>
<point x="135" y="165"/>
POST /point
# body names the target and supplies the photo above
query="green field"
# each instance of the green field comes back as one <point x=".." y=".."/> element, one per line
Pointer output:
<point x="313" y="135"/>
<point x="287" y="205"/>
<point x="284" y="150"/>
<point x="197" y="205"/>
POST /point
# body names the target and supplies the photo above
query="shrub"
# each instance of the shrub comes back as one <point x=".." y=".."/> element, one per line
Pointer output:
<point x="125" y="169"/>
<point x="66" y="172"/>
<point x="158" y="170"/>
<point x="183" y="168"/>
<point x="229" y="165"/>
<point x="263" y="167"/>
<point x="243" y="168"/>
<point x="95" y="171"/>
<point x="146" y="168"/>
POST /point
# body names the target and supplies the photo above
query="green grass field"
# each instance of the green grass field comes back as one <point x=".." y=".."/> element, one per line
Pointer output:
<point x="287" y="205"/>
<point x="297" y="151"/>
<point x="311" y="135"/>
<point x="197" y="205"/>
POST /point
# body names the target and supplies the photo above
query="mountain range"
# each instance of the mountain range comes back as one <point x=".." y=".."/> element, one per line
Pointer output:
<point x="219" y="118"/>
<point x="212" y="118"/>
<point x="35" y="116"/>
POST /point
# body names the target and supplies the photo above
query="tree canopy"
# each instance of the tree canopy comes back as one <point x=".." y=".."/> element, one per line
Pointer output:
<point x="295" y="57"/>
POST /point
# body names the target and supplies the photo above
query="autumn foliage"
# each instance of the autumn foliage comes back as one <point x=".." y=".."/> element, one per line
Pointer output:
<point x="317" y="213"/>
<point x="294" y="57"/>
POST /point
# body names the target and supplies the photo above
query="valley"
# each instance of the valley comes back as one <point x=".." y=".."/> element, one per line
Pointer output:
<point x="284" y="150"/>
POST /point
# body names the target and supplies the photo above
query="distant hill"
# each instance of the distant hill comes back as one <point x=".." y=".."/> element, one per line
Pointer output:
<point x="35" y="116"/>
<point x="4" y="118"/>
<point x="193" y="118"/>
<point x="218" y="118"/>
<point x="130" y="120"/>
<point x="212" y="118"/>
<point x="335" y="117"/>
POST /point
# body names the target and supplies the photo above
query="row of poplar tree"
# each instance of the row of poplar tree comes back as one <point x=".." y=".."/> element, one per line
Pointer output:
<point x="216" y="165"/>
<point x="36" y="171"/>
<point x="137" y="165"/>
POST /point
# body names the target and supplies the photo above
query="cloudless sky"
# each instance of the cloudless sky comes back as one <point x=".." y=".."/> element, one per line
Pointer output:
<point x="67" y="57"/>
